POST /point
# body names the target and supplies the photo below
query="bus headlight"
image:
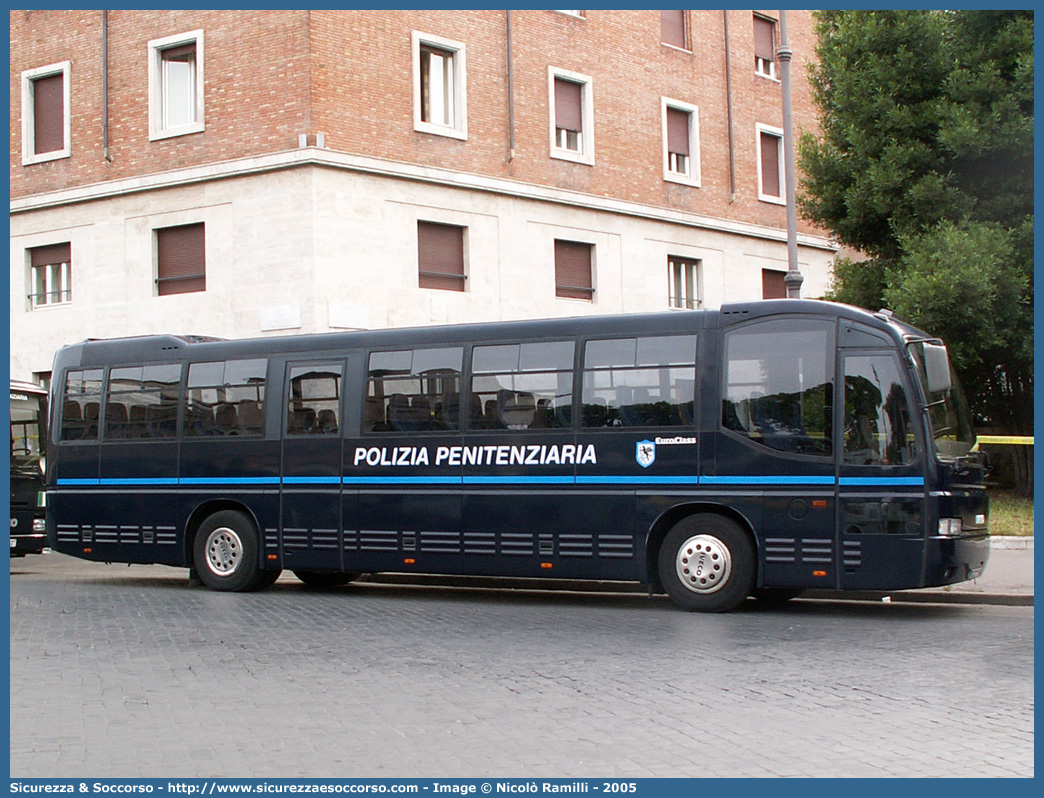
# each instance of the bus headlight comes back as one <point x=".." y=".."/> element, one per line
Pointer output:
<point x="39" y="525"/>
<point x="950" y="527"/>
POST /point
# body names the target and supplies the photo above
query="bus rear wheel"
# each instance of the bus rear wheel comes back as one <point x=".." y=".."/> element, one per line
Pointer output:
<point x="323" y="579"/>
<point x="225" y="552"/>
<point x="706" y="564"/>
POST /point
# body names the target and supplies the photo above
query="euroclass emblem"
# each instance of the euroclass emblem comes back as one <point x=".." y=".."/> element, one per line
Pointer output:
<point x="645" y="453"/>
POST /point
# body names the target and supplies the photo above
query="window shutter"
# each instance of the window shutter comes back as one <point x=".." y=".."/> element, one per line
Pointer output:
<point x="677" y="131"/>
<point x="181" y="259"/>
<point x="672" y="28"/>
<point x="54" y="253"/>
<point x="567" y="105"/>
<point x="773" y="285"/>
<point x="440" y="256"/>
<point x="49" y="114"/>
<point x="770" y="165"/>
<point x="764" y="39"/>
<point x="573" y="270"/>
<point x="185" y="53"/>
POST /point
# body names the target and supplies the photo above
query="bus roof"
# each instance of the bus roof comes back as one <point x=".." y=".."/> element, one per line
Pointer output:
<point x="160" y="348"/>
<point x="28" y="387"/>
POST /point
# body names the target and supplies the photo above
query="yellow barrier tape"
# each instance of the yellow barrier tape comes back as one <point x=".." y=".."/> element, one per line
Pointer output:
<point x="1017" y="440"/>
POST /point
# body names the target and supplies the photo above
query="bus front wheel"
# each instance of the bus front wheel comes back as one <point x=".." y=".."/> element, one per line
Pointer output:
<point x="225" y="552"/>
<point x="706" y="564"/>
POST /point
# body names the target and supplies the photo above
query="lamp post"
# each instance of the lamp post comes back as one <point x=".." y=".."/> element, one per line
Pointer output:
<point x="793" y="278"/>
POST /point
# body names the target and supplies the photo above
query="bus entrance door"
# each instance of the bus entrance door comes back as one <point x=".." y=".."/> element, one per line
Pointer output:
<point x="881" y="488"/>
<point x="310" y="506"/>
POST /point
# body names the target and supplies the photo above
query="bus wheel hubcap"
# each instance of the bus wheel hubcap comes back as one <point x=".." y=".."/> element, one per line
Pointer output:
<point x="703" y="564"/>
<point x="224" y="551"/>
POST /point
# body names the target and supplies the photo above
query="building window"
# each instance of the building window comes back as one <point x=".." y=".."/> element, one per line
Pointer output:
<point x="764" y="46"/>
<point x="440" y="256"/>
<point x="681" y="142"/>
<point x="439" y="86"/>
<point x="181" y="259"/>
<point x="572" y="131"/>
<point x="773" y="285"/>
<point x="683" y="283"/>
<point x="176" y="85"/>
<point x="51" y="275"/>
<point x="573" y="270"/>
<point x="672" y="28"/>
<point x="45" y="114"/>
<point x="579" y="14"/>
<point x="770" y="164"/>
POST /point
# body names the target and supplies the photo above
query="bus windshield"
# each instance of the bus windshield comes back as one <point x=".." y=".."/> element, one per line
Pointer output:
<point x="26" y="428"/>
<point x="948" y="412"/>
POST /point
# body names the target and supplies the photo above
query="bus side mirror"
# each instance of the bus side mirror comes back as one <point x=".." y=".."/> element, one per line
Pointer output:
<point x="937" y="368"/>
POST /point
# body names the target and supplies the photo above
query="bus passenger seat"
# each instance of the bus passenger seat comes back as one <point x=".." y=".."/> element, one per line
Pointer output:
<point x="326" y="422"/>
<point x="250" y="416"/>
<point x="225" y="421"/>
<point x="517" y="408"/>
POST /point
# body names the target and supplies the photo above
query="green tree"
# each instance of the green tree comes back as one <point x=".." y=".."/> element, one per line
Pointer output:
<point x="924" y="163"/>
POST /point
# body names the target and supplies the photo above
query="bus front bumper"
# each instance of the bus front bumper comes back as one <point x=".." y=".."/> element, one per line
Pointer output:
<point x="956" y="559"/>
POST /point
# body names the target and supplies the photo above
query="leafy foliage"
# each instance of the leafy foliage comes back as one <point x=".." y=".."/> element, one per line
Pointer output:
<point x="924" y="163"/>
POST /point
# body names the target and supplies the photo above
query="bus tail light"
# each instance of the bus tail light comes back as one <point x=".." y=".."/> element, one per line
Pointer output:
<point x="950" y="527"/>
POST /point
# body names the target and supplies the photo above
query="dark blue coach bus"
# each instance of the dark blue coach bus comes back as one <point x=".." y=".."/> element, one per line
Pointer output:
<point x="758" y="450"/>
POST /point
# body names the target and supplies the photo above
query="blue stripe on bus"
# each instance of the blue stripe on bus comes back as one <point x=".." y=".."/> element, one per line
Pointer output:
<point x="638" y="480"/>
<point x="881" y="482"/>
<point x="311" y="480"/>
<point x="766" y="480"/>
<point x="401" y="480"/>
<point x="536" y="480"/>
<point x="228" y="481"/>
<point x="498" y="480"/>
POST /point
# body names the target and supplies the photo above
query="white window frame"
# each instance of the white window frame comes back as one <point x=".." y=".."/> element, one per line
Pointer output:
<point x="759" y="63"/>
<point x="574" y="14"/>
<point x="63" y="272"/>
<point x="693" y="175"/>
<point x="29" y="76"/>
<point x="157" y="128"/>
<point x="691" y="292"/>
<point x="586" y="153"/>
<point x="458" y="129"/>
<point x="778" y="133"/>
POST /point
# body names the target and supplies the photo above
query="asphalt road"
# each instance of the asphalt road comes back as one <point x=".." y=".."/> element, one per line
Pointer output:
<point x="121" y="671"/>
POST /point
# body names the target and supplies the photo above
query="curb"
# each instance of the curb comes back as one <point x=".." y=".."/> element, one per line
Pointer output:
<point x="1010" y="542"/>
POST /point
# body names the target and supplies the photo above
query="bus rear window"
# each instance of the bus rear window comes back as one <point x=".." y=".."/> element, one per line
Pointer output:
<point x="82" y="402"/>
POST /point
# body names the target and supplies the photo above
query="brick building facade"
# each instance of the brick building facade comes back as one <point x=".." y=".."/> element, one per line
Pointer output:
<point x="239" y="173"/>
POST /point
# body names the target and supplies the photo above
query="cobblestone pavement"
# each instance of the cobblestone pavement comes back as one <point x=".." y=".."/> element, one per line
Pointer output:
<point x="121" y="671"/>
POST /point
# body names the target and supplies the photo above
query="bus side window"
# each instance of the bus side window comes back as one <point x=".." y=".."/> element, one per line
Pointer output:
<point x="82" y="399"/>
<point x="878" y="430"/>
<point x="639" y="382"/>
<point x="226" y="398"/>
<point x="778" y="388"/>
<point x="142" y="402"/>
<point x="522" y="386"/>
<point x="315" y="399"/>
<point x="410" y="390"/>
